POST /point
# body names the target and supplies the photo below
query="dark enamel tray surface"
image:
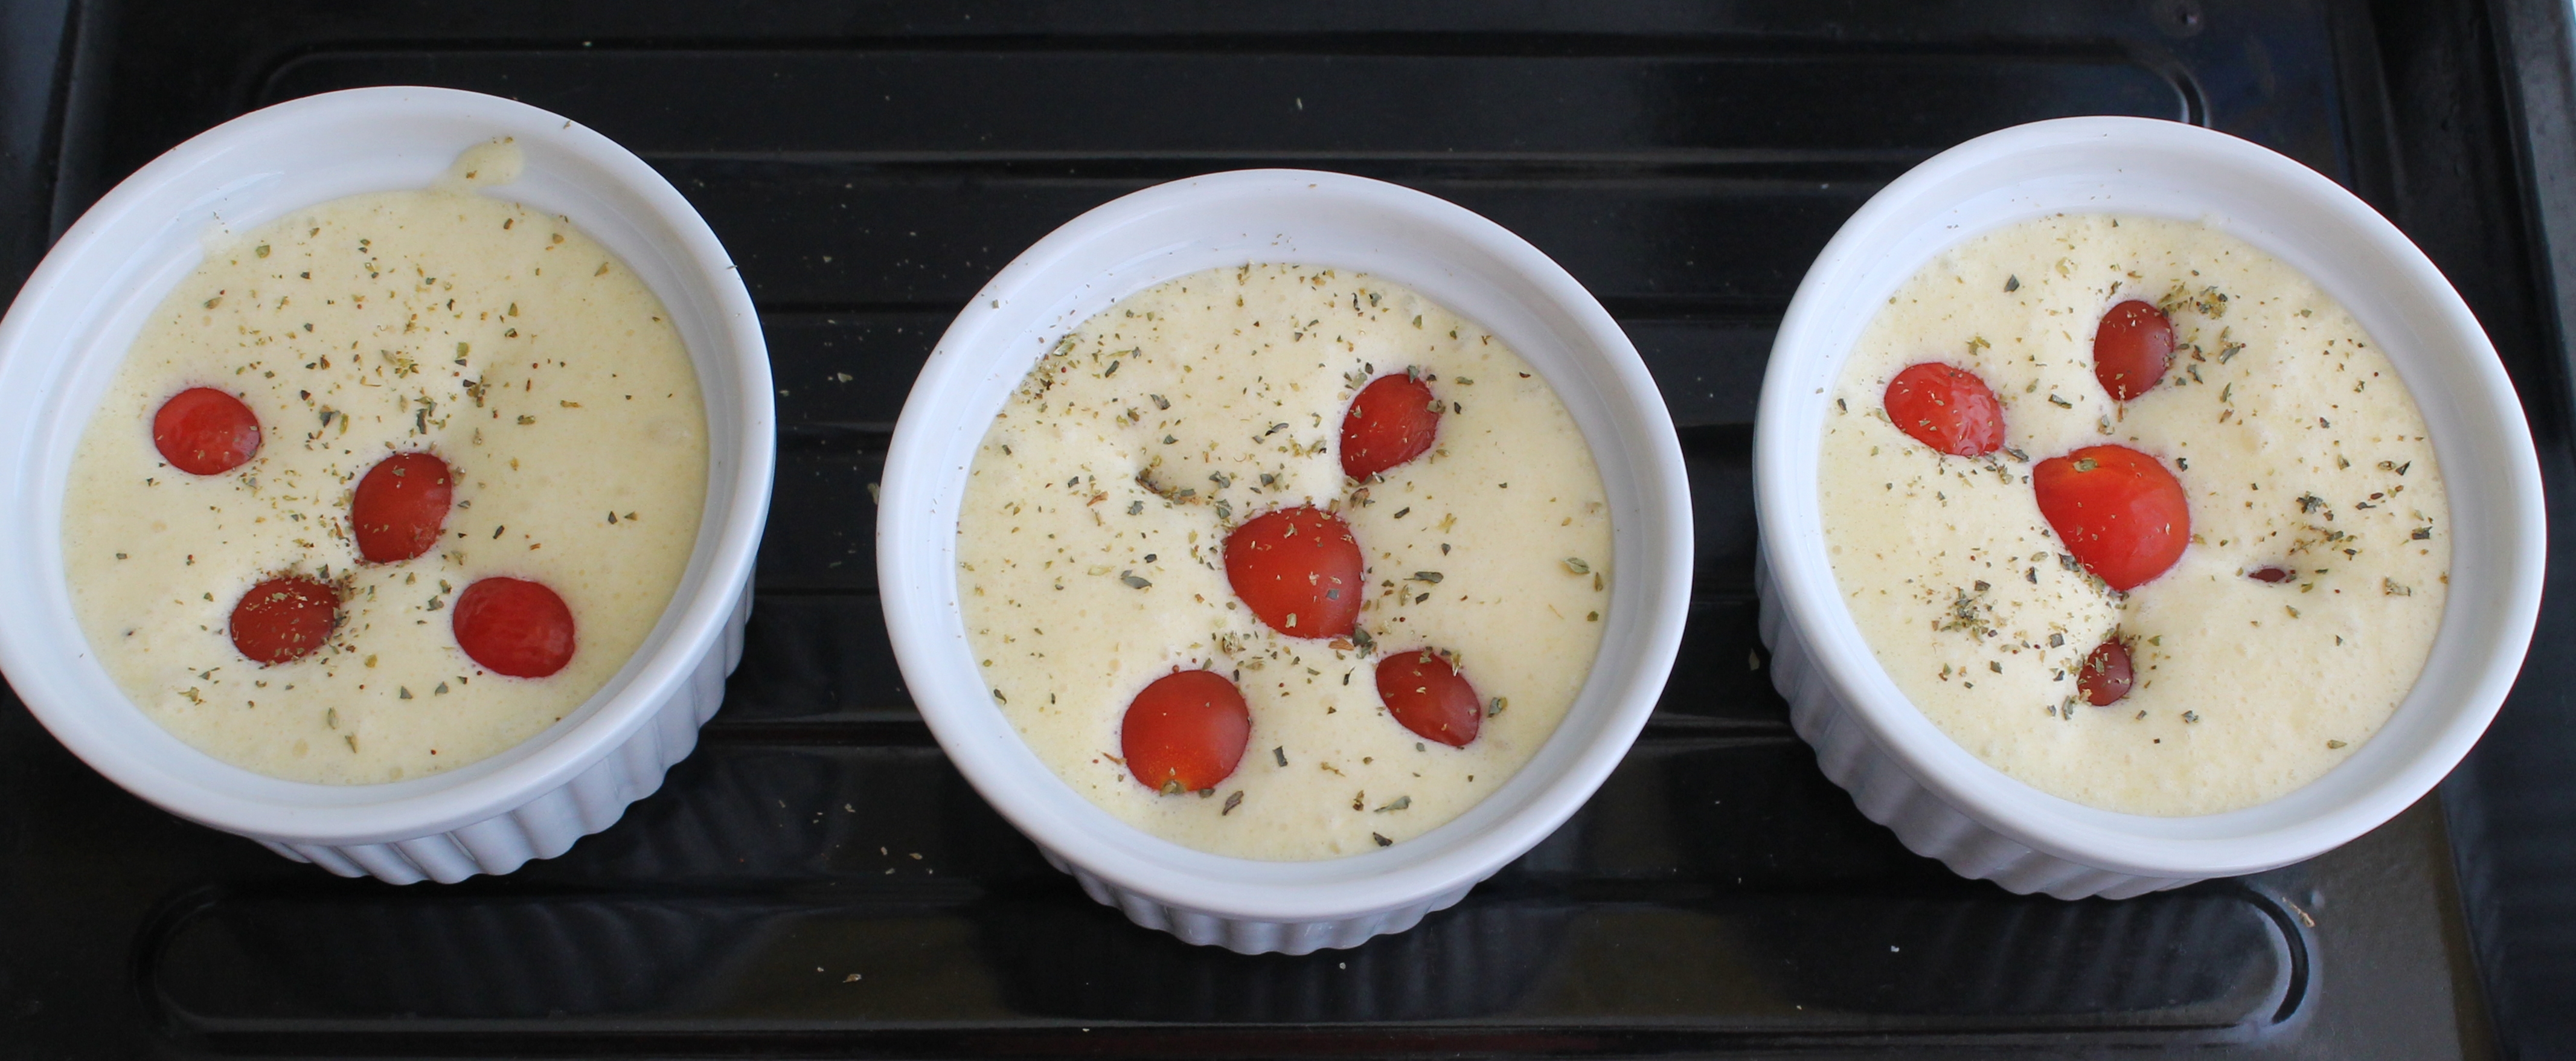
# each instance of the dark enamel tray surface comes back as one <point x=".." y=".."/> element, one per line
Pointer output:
<point x="817" y="880"/>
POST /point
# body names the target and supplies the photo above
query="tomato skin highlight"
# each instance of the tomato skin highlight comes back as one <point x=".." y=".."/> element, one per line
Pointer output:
<point x="513" y="626"/>
<point x="2120" y="513"/>
<point x="2106" y="675"/>
<point x="284" y="619"/>
<point x="1298" y="569"/>
<point x="2132" y="349"/>
<point x="1430" y="697"/>
<point x="1185" y="732"/>
<point x="204" y="431"/>
<point x="400" y="506"/>
<point x="1947" y="408"/>
<point x="1392" y="420"/>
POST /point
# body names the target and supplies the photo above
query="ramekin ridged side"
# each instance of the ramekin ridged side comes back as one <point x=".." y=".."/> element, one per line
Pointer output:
<point x="1247" y="935"/>
<point x="1939" y="799"/>
<point x="1888" y="793"/>
<point x="69" y="328"/>
<point x="549" y="822"/>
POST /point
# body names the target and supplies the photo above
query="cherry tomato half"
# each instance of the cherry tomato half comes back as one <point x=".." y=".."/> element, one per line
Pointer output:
<point x="1185" y="732"/>
<point x="284" y="618"/>
<point x="1390" y="421"/>
<point x="1947" y="408"/>
<point x="204" y="431"/>
<point x="1430" y="697"/>
<point x="1298" y="569"/>
<point x="2120" y="513"/>
<point x="400" y="506"/>
<point x="2106" y="675"/>
<point x="2132" y="348"/>
<point x="513" y="626"/>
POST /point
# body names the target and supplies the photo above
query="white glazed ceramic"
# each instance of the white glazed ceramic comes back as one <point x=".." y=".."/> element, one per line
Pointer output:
<point x="1457" y="259"/>
<point x="1942" y="801"/>
<point x="68" y="331"/>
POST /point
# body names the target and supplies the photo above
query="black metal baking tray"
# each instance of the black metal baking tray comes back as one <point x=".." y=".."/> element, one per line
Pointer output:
<point x="870" y="166"/>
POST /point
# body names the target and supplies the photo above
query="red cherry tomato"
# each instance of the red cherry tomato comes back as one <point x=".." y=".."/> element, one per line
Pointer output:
<point x="1185" y="732"/>
<point x="284" y="618"/>
<point x="1430" y="697"/>
<point x="400" y="506"/>
<point x="1946" y="408"/>
<point x="204" y="431"/>
<point x="513" y="626"/>
<point x="2132" y="348"/>
<point x="2105" y="677"/>
<point x="1391" y="421"/>
<point x="2118" y="510"/>
<point x="1298" y="569"/>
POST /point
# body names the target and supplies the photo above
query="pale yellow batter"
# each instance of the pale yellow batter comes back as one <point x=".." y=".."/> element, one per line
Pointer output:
<point x="2294" y="441"/>
<point x="1154" y="428"/>
<point x="498" y="337"/>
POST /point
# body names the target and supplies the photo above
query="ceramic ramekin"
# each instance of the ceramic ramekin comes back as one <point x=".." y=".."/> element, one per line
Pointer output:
<point x="1940" y="799"/>
<point x="1452" y="256"/>
<point x="64" y="338"/>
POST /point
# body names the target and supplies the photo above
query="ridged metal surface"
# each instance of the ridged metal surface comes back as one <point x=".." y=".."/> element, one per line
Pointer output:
<point x="1719" y="897"/>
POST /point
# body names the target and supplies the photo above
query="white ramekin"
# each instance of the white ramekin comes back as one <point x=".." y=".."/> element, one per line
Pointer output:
<point x="68" y="331"/>
<point x="1941" y="800"/>
<point x="1456" y="258"/>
